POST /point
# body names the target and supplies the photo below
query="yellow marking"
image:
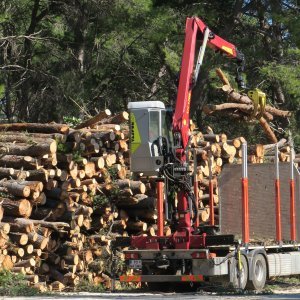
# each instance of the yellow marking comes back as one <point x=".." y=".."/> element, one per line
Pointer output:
<point x="228" y="50"/>
<point x="135" y="134"/>
<point x="184" y="122"/>
<point x="189" y="103"/>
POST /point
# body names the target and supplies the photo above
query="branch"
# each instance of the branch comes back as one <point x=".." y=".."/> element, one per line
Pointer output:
<point x="11" y="67"/>
<point x="32" y="37"/>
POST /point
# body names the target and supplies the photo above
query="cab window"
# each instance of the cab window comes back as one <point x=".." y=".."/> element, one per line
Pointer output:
<point x="153" y="125"/>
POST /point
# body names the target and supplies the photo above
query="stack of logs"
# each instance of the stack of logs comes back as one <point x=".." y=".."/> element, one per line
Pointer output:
<point x="66" y="193"/>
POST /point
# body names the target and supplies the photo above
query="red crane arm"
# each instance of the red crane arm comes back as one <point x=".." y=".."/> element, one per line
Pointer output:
<point x="181" y="118"/>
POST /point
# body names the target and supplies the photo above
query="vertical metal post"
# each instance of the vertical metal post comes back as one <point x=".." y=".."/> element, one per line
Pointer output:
<point x="277" y="198"/>
<point x="166" y="206"/>
<point x="197" y="223"/>
<point x="160" y="205"/>
<point x="245" y="196"/>
<point x="292" y="195"/>
<point x="201" y="53"/>
<point x="211" y="192"/>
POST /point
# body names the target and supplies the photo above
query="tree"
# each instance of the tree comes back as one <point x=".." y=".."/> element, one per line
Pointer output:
<point x="75" y="57"/>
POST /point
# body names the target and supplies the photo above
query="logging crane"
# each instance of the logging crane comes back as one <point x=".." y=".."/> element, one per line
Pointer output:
<point x="160" y="146"/>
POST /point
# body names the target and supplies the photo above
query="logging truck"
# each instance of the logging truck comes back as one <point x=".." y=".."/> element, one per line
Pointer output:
<point x="252" y="236"/>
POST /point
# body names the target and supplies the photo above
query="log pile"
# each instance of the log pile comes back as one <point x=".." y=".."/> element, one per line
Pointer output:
<point x="56" y="215"/>
<point x="66" y="193"/>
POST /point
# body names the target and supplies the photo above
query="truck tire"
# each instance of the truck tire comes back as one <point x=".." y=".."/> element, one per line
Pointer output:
<point x="259" y="273"/>
<point x="235" y="273"/>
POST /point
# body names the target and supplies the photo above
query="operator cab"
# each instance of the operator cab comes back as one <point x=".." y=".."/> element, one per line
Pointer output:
<point x="150" y="136"/>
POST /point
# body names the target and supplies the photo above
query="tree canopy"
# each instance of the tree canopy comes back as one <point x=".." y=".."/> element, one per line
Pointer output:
<point x="71" y="58"/>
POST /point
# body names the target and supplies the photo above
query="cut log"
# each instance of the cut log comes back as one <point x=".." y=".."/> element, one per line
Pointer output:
<point x="57" y="286"/>
<point x="16" y="189"/>
<point x="20" y="270"/>
<point x="268" y="131"/>
<point x="16" y="250"/>
<point x="16" y="208"/>
<point x="29" y="249"/>
<point x="92" y="121"/>
<point x="38" y="175"/>
<point x="32" y="278"/>
<point x="137" y="187"/>
<point x="35" y="127"/>
<point x="5" y="227"/>
<point x="20" y="238"/>
<point x="24" y="228"/>
<point x="107" y="127"/>
<point x="17" y="162"/>
<point x="257" y="150"/>
<point x="117" y="119"/>
<point x="41" y="242"/>
<point x="1" y="212"/>
<point x="33" y="185"/>
<point x="26" y="263"/>
<point x="98" y="161"/>
<point x="57" y="226"/>
<point x="7" y="263"/>
<point x="136" y="227"/>
<point x="28" y="149"/>
<point x="215" y="138"/>
<point x="6" y="172"/>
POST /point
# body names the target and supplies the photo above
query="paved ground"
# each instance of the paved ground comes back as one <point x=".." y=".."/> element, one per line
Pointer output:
<point x="285" y="288"/>
<point x="280" y="294"/>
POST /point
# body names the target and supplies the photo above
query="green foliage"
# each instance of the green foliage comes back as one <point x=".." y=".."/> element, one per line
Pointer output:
<point x="86" y="286"/>
<point x="2" y="90"/>
<point x="113" y="173"/>
<point x="84" y="56"/>
<point x="77" y="156"/>
<point x="13" y="285"/>
<point x="71" y="121"/>
<point x="63" y="148"/>
<point x="115" y="191"/>
<point x="100" y="201"/>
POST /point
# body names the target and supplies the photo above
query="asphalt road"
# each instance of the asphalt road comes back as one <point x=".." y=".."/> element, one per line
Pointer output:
<point x="288" y="295"/>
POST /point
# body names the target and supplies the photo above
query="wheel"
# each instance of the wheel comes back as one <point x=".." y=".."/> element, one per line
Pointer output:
<point x="239" y="278"/>
<point x="259" y="273"/>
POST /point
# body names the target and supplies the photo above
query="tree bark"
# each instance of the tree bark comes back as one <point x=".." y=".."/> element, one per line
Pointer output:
<point x="36" y="127"/>
<point x="92" y="121"/>
<point x="16" y="208"/>
<point x="18" y="162"/>
<point x="38" y="150"/>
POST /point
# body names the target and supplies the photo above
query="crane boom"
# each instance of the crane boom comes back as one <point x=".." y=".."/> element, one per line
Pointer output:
<point x="158" y="145"/>
<point x="181" y="116"/>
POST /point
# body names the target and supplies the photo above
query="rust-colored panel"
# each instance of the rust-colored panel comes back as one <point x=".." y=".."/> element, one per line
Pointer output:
<point x="262" y="221"/>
